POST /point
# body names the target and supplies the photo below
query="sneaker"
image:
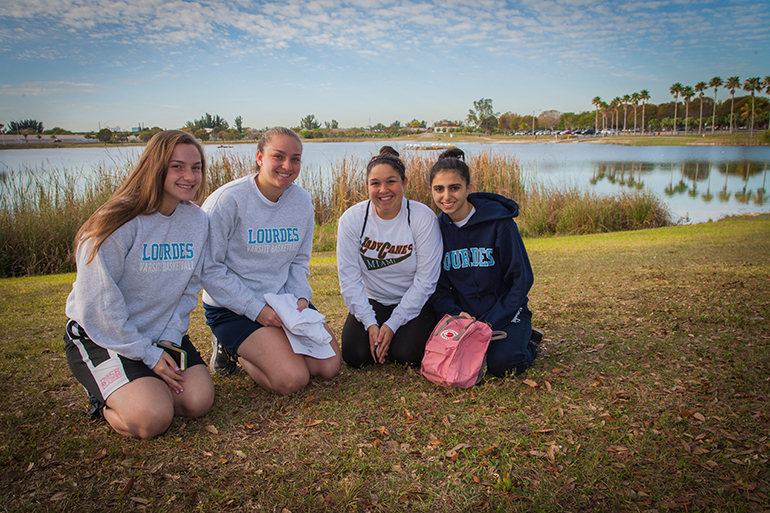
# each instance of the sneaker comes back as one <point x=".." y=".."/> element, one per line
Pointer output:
<point x="537" y="336"/>
<point x="223" y="361"/>
<point x="97" y="408"/>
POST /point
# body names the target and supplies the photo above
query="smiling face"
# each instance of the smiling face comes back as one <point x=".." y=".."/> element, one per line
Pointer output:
<point x="279" y="165"/>
<point x="450" y="193"/>
<point x="183" y="177"/>
<point x="386" y="190"/>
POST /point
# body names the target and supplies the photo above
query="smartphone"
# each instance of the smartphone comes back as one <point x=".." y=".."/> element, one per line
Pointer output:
<point x="177" y="353"/>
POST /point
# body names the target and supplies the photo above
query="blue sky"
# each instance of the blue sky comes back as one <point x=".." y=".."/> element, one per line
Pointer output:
<point x="81" y="64"/>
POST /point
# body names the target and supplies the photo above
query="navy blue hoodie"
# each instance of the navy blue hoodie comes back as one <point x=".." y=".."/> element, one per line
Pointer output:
<point x="485" y="270"/>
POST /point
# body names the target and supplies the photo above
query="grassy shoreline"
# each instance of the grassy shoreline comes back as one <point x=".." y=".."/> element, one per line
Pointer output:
<point x="651" y="394"/>
<point x="625" y="140"/>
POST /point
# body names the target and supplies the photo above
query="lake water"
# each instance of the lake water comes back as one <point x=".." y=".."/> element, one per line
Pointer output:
<point x="698" y="183"/>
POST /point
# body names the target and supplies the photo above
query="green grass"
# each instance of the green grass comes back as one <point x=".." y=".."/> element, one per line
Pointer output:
<point x="651" y="395"/>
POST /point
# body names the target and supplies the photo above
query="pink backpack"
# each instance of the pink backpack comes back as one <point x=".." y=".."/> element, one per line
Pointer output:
<point x="456" y="351"/>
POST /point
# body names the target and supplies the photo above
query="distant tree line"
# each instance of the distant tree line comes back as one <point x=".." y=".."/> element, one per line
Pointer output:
<point x="627" y="113"/>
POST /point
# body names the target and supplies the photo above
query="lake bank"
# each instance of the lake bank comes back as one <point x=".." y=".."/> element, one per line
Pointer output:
<point x="10" y="142"/>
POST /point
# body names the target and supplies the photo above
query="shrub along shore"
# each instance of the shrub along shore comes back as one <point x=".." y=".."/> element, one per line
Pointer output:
<point x="650" y="393"/>
<point x="40" y="215"/>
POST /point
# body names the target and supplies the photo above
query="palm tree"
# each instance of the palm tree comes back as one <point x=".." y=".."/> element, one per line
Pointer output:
<point x="644" y="95"/>
<point x="766" y="85"/>
<point x="676" y="90"/>
<point x="752" y="85"/>
<point x="714" y="82"/>
<point x="635" y="102"/>
<point x="732" y="84"/>
<point x="626" y="98"/>
<point x="687" y="94"/>
<point x="615" y="105"/>
<point x="699" y="88"/>
<point x="605" y="109"/>
<point x="597" y="102"/>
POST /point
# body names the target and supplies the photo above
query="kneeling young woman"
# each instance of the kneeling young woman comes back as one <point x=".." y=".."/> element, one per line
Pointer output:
<point x="485" y="270"/>
<point x="261" y="241"/>
<point x="388" y="251"/>
<point x="139" y="260"/>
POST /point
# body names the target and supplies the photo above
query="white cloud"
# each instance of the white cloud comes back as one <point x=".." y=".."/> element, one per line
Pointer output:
<point x="44" y="88"/>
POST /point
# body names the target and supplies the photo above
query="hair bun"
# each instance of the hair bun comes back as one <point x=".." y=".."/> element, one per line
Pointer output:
<point x="389" y="150"/>
<point x="452" y="153"/>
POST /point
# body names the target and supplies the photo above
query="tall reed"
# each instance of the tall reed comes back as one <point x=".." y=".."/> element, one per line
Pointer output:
<point x="345" y="185"/>
<point x="42" y="210"/>
<point x="551" y="210"/>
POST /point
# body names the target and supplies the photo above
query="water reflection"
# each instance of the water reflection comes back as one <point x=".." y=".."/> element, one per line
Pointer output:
<point x="623" y="173"/>
<point x="688" y="177"/>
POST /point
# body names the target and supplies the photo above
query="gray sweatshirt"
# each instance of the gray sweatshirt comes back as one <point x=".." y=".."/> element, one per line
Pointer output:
<point x="142" y="284"/>
<point x="256" y="246"/>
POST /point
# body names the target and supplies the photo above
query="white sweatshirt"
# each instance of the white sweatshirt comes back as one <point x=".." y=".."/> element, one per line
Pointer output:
<point x="256" y="246"/>
<point x="142" y="284"/>
<point x="392" y="263"/>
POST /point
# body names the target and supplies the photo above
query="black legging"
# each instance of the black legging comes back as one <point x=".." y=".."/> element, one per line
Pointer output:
<point x="407" y="346"/>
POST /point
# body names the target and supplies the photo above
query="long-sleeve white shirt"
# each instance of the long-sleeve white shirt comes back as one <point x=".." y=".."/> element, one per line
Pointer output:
<point x="142" y="284"/>
<point x="392" y="263"/>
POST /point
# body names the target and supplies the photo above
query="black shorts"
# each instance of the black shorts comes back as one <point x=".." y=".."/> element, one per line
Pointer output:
<point x="230" y="328"/>
<point x="102" y="371"/>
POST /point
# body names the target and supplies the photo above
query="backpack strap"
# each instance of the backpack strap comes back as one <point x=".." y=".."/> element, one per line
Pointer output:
<point x="366" y="217"/>
<point x="498" y="335"/>
<point x="444" y="324"/>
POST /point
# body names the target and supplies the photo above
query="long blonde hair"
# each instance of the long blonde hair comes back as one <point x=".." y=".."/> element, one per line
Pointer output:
<point x="142" y="192"/>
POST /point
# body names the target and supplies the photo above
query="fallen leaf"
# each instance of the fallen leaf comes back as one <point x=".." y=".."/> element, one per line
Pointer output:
<point x="58" y="496"/>
<point x="476" y="479"/>
<point x="240" y="454"/>
<point x="530" y="383"/>
<point x="156" y="468"/>
<point x="699" y="416"/>
<point x="548" y="385"/>
<point x="314" y="423"/>
<point x="212" y="429"/>
<point x="128" y="486"/>
<point x="140" y="500"/>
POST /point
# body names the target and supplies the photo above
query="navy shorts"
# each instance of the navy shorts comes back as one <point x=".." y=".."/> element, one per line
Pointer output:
<point x="102" y="371"/>
<point x="230" y="328"/>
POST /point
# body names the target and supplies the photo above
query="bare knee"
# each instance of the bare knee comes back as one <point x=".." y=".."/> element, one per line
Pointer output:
<point x="197" y="405"/>
<point x="291" y="382"/>
<point x="329" y="369"/>
<point x="148" y="421"/>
